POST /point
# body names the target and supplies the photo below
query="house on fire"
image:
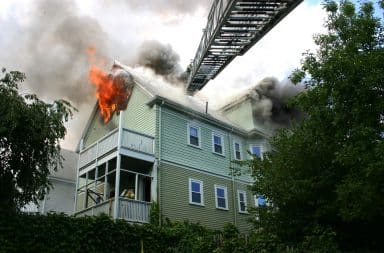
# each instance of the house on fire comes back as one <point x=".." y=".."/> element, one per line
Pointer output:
<point x="172" y="150"/>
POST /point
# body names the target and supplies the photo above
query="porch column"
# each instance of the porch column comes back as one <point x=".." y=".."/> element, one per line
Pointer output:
<point x="118" y="162"/>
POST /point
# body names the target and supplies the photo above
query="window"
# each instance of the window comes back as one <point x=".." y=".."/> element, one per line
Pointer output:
<point x="217" y="143"/>
<point x="242" y="201"/>
<point x="196" y="192"/>
<point x="194" y="136"/>
<point x="221" y="197"/>
<point x="256" y="150"/>
<point x="237" y="150"/>
<point x="260" y="200"/>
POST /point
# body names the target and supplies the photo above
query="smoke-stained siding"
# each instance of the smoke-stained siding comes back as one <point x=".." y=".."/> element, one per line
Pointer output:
<point x="174" y="197"/>
<point x="138" y="116"/>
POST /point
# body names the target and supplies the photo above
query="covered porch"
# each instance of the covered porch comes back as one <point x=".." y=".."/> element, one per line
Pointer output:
<point x="119" y="177"/>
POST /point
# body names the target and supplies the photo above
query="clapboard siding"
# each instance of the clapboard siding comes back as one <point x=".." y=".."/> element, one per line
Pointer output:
<point x="174" y="197"/>
<point x="175" y="148"/>
<point x="138" y="116"/>
<point x="97" y="129"/>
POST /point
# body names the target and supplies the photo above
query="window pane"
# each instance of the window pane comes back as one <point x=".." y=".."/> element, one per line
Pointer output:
<point x="221" y="202"/>
<point x="193" y="131"/>
<point x="218" y="149"/>
<point x="237" y="146"/>
<point x="217" y="140"/>
<point x="196" y="197"/>
<point x="194" y="140"/>
<point x="220" y="192"/>
<point x="241" y="196"/>
<point x="237" y="154"/>
<point x="195" y="187"/>
<point x="242" y="206"/>
<point x="255" y="150"/>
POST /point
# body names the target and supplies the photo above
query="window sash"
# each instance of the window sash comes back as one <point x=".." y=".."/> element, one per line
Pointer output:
<point x="195" y="192"/>
<point x="217" y="141"/>
<point x="242" y="201"/>
<point x="236" y="148"/>
<point x="221" y="197"/>
<point x="193" y="135"/>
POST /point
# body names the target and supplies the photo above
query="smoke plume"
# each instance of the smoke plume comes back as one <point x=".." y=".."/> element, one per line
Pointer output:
<point x="163" y="60"/>
<point x="269" y="101"/>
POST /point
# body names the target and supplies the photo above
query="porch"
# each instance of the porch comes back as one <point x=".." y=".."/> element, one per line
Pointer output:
<point x="120" y="166"/>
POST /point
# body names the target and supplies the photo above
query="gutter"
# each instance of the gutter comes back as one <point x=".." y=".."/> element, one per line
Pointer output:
<point x="221" y="124"/>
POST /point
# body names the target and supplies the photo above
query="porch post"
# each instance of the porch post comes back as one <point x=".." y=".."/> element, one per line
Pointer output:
<point x="117" y="184"/>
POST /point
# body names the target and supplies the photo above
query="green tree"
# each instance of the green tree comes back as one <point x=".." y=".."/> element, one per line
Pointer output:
<point x="324" y="177"/>
<point x="29" y="133"/>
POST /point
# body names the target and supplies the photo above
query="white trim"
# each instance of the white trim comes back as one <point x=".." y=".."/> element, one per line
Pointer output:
<point x="201" y="191"/>
<point x="222" y="143"/>
<point x="189" y="125"/>
<point x="245" y="201"/>
<point x="225" y="197"/>
<point x="236" y="141"/>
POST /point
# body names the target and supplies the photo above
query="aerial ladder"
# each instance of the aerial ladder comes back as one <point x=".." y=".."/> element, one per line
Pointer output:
<point x="233" y="27"/>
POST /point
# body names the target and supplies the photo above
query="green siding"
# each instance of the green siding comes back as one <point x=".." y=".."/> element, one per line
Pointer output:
<point x="98" y="129"/>
<point x="138" y="116"/>
<point x="175" y="147"/>
<point x="174" y="198"/>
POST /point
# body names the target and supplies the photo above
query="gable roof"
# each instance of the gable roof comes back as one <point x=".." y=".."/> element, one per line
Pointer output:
<point x="176" y="97"/>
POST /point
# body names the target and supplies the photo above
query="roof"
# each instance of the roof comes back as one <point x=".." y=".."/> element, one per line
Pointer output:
<point x="175" y="97"/>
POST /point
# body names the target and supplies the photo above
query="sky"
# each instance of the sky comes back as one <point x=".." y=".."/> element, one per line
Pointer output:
<point x="48" y="40"/>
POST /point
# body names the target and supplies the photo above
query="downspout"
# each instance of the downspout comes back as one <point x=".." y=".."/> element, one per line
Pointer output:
<point x="233" y="180"/>
<point x="159" y="164"/>
<point x="117" y="186"/>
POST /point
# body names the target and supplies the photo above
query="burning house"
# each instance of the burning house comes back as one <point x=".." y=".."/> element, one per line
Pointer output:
<point x="143" y="144"/>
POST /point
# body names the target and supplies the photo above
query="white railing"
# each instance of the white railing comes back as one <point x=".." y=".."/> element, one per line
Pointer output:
<point x="134" y="210"/>
<point x="130" y="139"/>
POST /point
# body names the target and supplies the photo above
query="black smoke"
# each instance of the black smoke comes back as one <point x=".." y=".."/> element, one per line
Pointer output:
<point x="270" y="101"/>
<point x="163" y="60"/>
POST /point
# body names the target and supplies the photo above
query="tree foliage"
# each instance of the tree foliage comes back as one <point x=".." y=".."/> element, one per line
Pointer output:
<point x="325" y="176"/>
<point x="29" y="133"/>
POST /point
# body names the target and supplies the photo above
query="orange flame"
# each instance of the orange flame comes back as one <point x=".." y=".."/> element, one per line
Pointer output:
<point x="111" y="95"/>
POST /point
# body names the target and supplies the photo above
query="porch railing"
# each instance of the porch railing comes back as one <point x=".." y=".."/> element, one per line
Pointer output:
<point x="130" y="139"/>
<point x="134" y="210"/>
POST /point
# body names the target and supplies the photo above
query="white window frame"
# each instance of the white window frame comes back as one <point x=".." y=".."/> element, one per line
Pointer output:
<point x="239" y="202"/>
<point x="214" y="134"/>
<point x="257" y="145"/>
<point x="189" y="135"/>
<point x="240" y="150"/>
<point x="201" y="191"/>
<point x="225" y="197"/>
